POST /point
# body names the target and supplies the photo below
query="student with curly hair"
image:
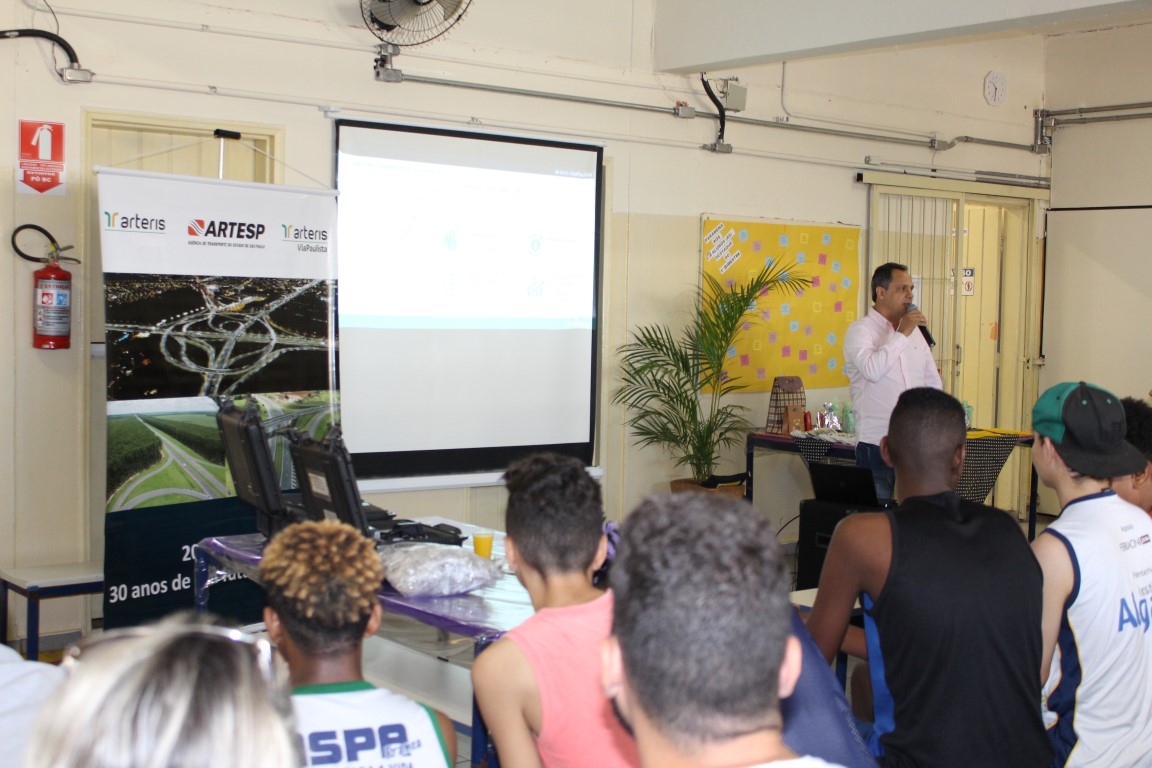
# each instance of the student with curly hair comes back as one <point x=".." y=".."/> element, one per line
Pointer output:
<point x="1136" y="488"/>
<point x="538" y="686"/>
<point x="701" y="650"/>
<point x="321" y="579"/>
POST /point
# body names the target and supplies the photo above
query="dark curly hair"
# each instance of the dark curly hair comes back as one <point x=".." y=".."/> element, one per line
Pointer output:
<point x="555" y="514"/>
<point x="321" y="578"/>
<point x="702" y="617"/>
<point x="1138" y="415"/>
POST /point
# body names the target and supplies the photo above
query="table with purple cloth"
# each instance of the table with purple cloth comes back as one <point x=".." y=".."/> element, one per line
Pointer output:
<point x="483" y="614"/>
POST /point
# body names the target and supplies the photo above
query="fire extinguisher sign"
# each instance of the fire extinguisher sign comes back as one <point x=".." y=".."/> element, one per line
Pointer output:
<point x="41" y="162"/>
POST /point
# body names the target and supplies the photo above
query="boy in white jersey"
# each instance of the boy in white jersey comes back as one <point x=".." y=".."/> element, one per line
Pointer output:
<point x="1097" y="564"/>
<point x="322" y="580"/>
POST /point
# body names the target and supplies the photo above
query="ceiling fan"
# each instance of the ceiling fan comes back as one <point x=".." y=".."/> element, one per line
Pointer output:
<point x="407" y="23"/>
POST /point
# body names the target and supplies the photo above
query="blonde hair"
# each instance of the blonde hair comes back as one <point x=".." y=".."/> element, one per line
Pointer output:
<point x="171" y="695"/>
<point x="322" y="578"/>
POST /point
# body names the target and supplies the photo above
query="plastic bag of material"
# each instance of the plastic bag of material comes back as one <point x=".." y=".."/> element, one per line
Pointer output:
<point x="435" y="569"/>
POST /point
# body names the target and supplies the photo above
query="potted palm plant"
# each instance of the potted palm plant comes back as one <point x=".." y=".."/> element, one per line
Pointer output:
<point x="674" y="386"/>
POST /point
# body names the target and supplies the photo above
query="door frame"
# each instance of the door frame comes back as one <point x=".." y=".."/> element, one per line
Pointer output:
<point x="1021" y="279"/>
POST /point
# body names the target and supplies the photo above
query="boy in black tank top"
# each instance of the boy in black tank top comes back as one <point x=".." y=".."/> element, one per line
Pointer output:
<point x="952" y="602"/>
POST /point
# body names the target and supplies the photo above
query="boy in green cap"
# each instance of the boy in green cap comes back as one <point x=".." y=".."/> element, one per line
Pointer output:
<point x="1097" y="564"/>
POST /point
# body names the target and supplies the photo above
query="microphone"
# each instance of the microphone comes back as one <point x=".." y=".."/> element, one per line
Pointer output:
<point x="923" y="328"/>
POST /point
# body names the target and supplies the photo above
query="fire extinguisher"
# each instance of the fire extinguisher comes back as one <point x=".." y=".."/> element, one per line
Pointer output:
<point x="52" y="293"/>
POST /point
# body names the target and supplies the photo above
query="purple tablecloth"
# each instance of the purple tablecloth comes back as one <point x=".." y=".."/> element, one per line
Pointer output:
<point x="483" y="614"/>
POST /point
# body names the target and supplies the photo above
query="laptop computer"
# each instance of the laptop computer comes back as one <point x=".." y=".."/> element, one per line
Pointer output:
<point x="845" y="484"/>
<point x="257" y="481"/>
<point x="253" y="468"/>
<point x="328" y="491"/>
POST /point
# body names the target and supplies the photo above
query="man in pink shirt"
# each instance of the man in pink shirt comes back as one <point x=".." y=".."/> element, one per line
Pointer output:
<point x="883" y="356"/>
<point x="538" y="686"/>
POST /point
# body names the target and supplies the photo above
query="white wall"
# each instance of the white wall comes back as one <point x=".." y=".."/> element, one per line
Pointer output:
<point x="1099" y="285"/>
<point x="660" y="181"/>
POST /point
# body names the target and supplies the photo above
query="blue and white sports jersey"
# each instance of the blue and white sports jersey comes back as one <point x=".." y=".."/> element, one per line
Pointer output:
<point x="356" y="724"/>
<point x="1099" y="688"/>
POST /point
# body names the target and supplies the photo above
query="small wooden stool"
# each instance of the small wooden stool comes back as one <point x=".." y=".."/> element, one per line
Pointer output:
<point x="42" y="582"/>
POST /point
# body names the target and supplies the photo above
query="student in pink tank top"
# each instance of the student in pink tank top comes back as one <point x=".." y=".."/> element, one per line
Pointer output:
<point x="538" y="687"/>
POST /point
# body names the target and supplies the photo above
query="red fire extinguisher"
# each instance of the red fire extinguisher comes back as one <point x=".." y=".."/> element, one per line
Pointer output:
<point x="52" y="315"/>
<point x="52" y="294"/>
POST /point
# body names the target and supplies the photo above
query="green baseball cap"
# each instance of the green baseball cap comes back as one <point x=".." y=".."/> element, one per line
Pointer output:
<point x="1087" y="426"/>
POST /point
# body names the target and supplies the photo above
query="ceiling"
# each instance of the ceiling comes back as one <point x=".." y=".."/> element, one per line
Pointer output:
<point x="739" y="33"/>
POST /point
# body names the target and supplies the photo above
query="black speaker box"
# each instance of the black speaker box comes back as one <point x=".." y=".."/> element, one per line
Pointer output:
<point x="817" y="521"/>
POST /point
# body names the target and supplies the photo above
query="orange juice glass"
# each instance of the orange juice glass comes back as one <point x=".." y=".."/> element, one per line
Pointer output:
<point x="482" y="544"/>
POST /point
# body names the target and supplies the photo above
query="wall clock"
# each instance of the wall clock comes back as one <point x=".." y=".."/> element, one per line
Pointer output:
<point x="995" y="88"/>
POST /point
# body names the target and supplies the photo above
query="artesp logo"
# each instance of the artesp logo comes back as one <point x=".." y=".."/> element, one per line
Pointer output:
<point x="235" y="230"/>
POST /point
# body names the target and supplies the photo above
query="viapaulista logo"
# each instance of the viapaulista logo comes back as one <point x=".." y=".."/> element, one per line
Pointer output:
<point x="196" y="227"/>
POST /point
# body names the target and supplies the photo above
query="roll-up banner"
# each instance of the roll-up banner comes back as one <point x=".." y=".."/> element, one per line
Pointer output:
<point x="212" y="288"/>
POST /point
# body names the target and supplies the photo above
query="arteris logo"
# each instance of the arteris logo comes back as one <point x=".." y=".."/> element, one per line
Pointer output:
<point x="306" y="239"/>
<point x="133" y="222"/>
<point x="232" y="230"/>
<point x="295" y="233"/>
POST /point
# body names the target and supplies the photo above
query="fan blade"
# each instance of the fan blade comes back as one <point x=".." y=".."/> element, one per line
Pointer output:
<point x="451" y="7"/>
<point x="391" y="14"/>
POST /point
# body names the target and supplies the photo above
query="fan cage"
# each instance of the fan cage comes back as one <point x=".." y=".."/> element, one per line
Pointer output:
<point x="409" y="23"/>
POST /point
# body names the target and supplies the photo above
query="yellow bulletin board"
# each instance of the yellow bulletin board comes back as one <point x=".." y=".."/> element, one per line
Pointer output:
<point x="788" y="334"/>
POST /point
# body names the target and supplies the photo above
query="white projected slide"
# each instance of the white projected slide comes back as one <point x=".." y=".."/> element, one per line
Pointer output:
<point x="467" y="291"/>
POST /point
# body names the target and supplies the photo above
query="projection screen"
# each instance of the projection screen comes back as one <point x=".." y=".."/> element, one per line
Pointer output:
<point x="468" y="288"/>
